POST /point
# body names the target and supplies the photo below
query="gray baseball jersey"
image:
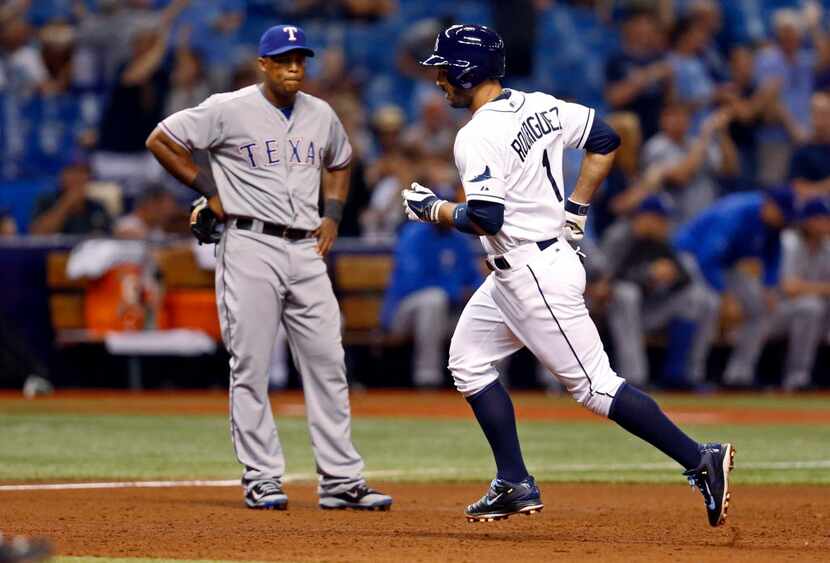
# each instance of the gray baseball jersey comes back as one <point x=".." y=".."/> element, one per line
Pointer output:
<point x="804" y="318"/>
<point x="265" y="165"/>
<point x="798" y="261"/>
<point x="268" y="167"/>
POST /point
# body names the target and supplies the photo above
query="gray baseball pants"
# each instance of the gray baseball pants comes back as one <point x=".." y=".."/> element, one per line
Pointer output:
<point x="260" y="280"/>
<point x="425" y="315"/>
<point x="630" y="316"/>
<point x="749" y="338"/>
<point x="805" y="320"/>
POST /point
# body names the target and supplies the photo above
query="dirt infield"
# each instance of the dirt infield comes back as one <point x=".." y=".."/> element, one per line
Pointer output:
<point x="580" y="523"/>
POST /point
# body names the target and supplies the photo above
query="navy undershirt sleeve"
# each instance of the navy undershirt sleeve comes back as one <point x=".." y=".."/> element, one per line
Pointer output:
<point x="486" y="215"/>
<point x="602" y="139"/>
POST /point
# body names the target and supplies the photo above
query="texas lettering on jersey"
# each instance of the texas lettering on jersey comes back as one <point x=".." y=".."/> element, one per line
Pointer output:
<point x="270" y="153"/>
<point x="266" y="165"/>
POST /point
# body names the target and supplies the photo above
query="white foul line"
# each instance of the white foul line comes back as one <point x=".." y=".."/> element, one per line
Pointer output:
<point x="408" y="473"/>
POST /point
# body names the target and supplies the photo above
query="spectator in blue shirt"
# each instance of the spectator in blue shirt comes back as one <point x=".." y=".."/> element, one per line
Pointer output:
<point x="810" y="166"/>
<point x="638" y="77"/>
<point x="693" y="85"/>
<point x="736" y="245"/>
<point x="787" y="70"/>
<point x="435" y="272"/>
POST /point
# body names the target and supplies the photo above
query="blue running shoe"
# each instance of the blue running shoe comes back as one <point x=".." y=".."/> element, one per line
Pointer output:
<point x="711" y="476"/>
<point x="504" y="499"/>
<point x="265" y="495"/>
<point x="359" y="497"/>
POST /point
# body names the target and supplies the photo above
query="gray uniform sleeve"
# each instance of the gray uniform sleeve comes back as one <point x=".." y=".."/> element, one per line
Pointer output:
<point x="339" y="150"/>
<point x="195" y="128"/>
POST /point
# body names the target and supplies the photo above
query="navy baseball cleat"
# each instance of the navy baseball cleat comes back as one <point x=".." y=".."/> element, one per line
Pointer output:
<point x="265" y="495"/>
<point x="712" y="478"/>
<point x="504" y="499"/>
<point x="359" y="497"/>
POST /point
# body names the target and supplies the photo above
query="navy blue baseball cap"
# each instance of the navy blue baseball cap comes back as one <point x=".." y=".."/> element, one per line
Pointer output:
<point x="818" y="207"/>
<point x="655" y="204"/>
<point x="784" y="199"/>
<point x="282" y="39"/>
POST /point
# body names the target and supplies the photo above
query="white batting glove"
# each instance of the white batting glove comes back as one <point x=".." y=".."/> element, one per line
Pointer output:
<point x="576" y="215"/>
<point x="421" y="204"/>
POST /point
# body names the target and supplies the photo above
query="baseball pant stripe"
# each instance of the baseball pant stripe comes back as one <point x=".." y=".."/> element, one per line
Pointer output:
<point x="565" y="336"/>
<point x="229" y="343"/>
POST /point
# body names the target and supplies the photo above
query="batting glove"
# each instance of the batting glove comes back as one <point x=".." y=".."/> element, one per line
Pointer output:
<point x="203" y="222"/>
<point x="576" y="215"/>
<point x="421" y="204"/>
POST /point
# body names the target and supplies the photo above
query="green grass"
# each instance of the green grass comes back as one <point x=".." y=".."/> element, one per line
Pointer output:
<point x="54" y="447"/>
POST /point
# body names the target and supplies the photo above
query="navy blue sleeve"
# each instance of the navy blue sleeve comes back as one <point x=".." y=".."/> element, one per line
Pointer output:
<point x="488" y="215"/>
<point x="799" y="167"/>
<point x="602" y="139"/>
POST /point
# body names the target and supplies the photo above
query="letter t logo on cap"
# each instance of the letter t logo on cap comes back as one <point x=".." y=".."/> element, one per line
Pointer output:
<point x="290" y="30"/>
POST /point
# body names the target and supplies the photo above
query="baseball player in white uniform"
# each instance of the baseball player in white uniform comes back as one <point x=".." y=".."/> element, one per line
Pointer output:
<point x="509" y="157"/>
<point x="269" y="145"/>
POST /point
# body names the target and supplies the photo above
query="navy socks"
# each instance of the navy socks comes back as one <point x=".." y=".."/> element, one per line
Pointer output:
<point x="494" y="412"/>
<point x="639" y="414"/>
<point x="632" y="409"/>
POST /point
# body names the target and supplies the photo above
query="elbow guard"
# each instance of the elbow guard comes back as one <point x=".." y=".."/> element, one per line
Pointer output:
<point x="602" y="139"/>
<point x="487" y="215"/>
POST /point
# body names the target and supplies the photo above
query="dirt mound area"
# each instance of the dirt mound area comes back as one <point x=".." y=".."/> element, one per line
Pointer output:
<point x="581" y="522"/>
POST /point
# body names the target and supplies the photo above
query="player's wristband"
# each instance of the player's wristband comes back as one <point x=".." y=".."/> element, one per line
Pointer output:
<point x="204" y="184"/>
<point x="577" y="208"/>
<point x="462" y="221"/>
<point x="333" y="209"/>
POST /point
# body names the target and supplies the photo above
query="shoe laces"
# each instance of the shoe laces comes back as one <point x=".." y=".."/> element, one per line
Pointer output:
<point x="268" y="487"/>
<point x="698" y="476"/>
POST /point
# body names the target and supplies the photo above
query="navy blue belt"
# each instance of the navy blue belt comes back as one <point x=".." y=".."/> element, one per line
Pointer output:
<point x="501" y="262"/>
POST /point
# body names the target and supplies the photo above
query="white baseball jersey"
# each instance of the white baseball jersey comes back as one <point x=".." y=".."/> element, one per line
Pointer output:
<point x="511" y="153"/>
<point x="265" y="165"/>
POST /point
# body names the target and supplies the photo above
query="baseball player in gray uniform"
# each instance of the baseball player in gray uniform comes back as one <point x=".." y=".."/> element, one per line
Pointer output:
<point x="271" y="146"/>
<point x="805" y="284"/>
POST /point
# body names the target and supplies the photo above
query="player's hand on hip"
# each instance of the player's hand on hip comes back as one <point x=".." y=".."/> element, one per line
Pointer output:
<point x="326" y="234"/>
<point x="215" y="205"/>
<point x="576" y="215"/>
<point x="421" y="204"/>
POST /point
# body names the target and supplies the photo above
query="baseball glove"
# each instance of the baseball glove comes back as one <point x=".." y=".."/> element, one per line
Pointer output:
<point x="203" y="222"/>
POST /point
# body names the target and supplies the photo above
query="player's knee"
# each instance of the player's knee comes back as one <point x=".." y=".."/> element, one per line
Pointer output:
<point x="469" y="383"/>
<point x="325" y="356"/>
<point x="434" y="299"/>
<point x="626" y="294"/>
<point x="469" y="376"/>
<point x="598" y="404"/>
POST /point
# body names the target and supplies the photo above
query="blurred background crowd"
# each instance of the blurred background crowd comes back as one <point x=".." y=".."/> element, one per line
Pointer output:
<point x="713" y="226"/>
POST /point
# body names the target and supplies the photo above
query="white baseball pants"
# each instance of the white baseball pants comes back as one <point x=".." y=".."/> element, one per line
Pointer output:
<point x="537" y="302"/>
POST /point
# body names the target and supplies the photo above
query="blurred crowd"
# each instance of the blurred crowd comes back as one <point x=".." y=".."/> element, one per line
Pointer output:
<point x="714" y="218"/>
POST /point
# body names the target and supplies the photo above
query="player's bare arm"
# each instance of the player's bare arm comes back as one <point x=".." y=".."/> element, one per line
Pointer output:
<point x="178" y="161"/>
<point x="335" y="184"/>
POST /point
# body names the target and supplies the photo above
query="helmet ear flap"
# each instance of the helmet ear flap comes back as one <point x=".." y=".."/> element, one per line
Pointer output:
<point x="465" y="78"/>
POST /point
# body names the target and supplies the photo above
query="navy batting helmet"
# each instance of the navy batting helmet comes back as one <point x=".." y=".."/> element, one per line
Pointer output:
<point x="470" y="53"/>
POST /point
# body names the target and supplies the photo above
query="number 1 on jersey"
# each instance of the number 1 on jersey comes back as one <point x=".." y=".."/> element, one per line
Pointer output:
<point x="546" y="164"/>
